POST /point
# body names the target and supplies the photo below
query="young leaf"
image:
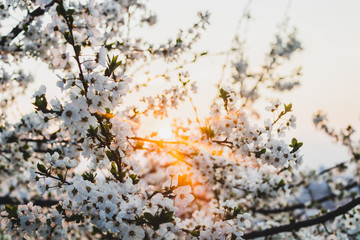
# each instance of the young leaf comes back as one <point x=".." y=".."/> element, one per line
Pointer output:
<point x="208" y="132"/>
<point x="41" y="168"/>
<point x="288" y="108"/>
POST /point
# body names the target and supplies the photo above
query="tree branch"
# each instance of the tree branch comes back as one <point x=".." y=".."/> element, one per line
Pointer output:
<point x="154" y="141"/>
<point x="225" y="143"/>
<point x="37" y="201"/>
<point x="53" y="177"/>
<point x="306" y="223"/>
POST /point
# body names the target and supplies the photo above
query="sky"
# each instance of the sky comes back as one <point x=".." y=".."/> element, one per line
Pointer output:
<point x="330" y="35"/>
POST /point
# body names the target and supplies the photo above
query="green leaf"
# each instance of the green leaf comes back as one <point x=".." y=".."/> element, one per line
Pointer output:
<point x="288" y="108"/>
<point x="89" y="176"/>
<point x="259" y="153"/>
<point x="112" y="65"/>
<point x="70" y="11"/>
<point x="111" y="157"/>
<point x="208" y="132"/>
<point x="356" y="156"/>
<point x="71" y="20"/>
<point x="113" y="170"/>
<point x="60" y="10"/>
<point x="12" y="138"/>
<point x="295" y="145"/>
<point x="60" y="209"/>
<point x="40" y="103"/>
<point x="293" y="142"/>
<point x="25" y="27"/>
<point x="225" y="96"/>
<point x="195" y="233"/>
<point x="11" y="210"/>
<point x="60" y="176"/>
<point x="41" y="168"/>
<point x="281" y="184"/>
<point x="148" y="216"/>
<point x="75" y="217"/>
<point x="237" y="210"/>
<point x="134" y="178"/>
<point x="77" y="49"/>
<point x="166" y="216"/>
<point x="92" y="132"/>
<point x="68" y="37"/>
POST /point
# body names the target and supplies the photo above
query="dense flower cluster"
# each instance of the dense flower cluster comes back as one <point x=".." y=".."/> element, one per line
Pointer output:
<point x="90" y="173"/>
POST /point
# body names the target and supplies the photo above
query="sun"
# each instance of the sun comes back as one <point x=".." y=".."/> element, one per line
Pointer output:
<point x="165" y="133"/>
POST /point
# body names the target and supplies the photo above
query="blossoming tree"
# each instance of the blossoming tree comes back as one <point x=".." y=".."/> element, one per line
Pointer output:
<point x="223" y="177"/>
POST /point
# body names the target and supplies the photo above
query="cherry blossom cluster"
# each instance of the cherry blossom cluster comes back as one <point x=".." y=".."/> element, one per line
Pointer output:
<point x="90" y="173"/>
